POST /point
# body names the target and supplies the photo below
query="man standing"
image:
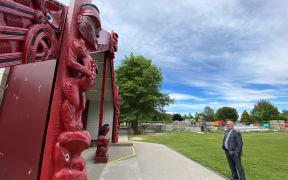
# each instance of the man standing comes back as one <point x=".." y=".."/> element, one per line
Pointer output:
<point x="232" y="144"/>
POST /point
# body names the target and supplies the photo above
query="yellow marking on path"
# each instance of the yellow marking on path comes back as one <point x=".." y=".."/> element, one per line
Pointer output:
<point x="126" y="157"/>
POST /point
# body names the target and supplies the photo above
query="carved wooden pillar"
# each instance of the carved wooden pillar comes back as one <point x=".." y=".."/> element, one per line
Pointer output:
<point x="40" y="30"/>
<point x="101" y="114"/>
<point x="116" y="99"/>
<point x="116" y="115"/>
<point x="76" y="75"/>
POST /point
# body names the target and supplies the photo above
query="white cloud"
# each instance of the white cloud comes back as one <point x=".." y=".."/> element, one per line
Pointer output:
<point x="193" y="107"/>
<point x="222" y="47"/>
<point x="179" y="97"/>
<point x="234" y="91"/>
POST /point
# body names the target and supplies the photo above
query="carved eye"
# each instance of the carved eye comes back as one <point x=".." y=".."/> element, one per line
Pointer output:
<point x="49" y="18"/>
<point x="67" y="157"/>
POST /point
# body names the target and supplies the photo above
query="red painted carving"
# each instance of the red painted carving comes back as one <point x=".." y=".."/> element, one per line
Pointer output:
<point x="89" y="25"/>
<point x="32" y="31"/>
<point x="39" y="17"/>
<point x="102" y="155"/>
<point x="67" y="160"/>
<point x="40" y="44"/>
<point x="113" y="47"/>
<point x="74" y="87"/>
<point x="81" y="76"/>
<point x="54" y="13"/>
<point x="13" y="20"/>
<point x="31" y="28"/>
<point x="116" y="115"/>
<point x="113" y="43"/>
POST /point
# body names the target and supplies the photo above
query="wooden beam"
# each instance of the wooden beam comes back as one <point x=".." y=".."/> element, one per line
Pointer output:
<point x="16" y="9"/>
<point x="103" y="93"/>
<point x="10" y="59"/>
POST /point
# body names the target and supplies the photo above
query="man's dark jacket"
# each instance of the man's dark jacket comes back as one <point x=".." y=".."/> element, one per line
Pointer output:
<point x="234" y="143"/>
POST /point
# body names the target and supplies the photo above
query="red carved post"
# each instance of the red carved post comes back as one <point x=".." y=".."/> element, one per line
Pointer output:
<point x="30" y="31"/>
<point x="39" y="30"/>
<point x="116" y="115"/>
<point x="76" y="75"/>
<point x="102" y="95"/>
<point x="102" y="141"/>
<point x="80" y="78"/>
<point x="116" y="99"/>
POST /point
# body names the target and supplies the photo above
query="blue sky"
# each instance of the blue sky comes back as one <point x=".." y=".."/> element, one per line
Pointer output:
<point x="216" y="53"/>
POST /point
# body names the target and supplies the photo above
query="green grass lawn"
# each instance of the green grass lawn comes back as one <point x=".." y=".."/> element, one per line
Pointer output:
<point x="265" y="154"/>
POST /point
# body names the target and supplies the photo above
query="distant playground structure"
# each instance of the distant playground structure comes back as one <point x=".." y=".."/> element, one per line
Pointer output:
<point x="192" y="126"/>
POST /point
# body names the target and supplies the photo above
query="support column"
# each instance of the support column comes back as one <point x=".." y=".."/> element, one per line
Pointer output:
<point x="103" y="93"/>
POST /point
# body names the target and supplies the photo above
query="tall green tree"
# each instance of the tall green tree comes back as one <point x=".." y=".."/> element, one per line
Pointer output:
<point x="245" y="117"/>
<point x="209" y="114"/>
<point x="177" y="117"/>
<point x="139" y="87"/>
<point x="226" y="114"/>
<point x="199" y="116"/>
<point x="190" y="116"/>
<point x="264" y="111"/>
<point x="163" y="116"/>
<point x="185" y="116"/>
<point x="284" y="114"/>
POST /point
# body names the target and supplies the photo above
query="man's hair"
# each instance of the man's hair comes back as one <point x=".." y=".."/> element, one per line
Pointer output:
<point x="230" y="122"/>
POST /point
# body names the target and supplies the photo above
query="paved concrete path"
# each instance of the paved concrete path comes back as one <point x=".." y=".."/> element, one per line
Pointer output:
<point x="152" y="162"/>
<point x="155" y="161"/>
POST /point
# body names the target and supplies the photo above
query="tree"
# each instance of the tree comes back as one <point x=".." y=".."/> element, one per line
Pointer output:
<point x="177" y="117"/>
<point x="209" y="114"/>
<point x="264" y="111"/>
<point x="190" y="116"/>
<point x="226" y="114"/>
<point x="245" y="117"/>
<point x="200" y="117"/>
<point x="185" y="116"/>
<point x="163" y="116"/>
<point x="139" y="88"/>
<point x="284" y="114"/>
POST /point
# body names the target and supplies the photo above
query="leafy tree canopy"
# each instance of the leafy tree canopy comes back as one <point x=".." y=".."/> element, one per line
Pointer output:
<point x="185" y="116"/>
<point x="209" y="114"/>
<point x="284" y="114"/>
<point x="139" y="87"/>
<point x="162" y="116"/>
<point x="190" y="116"/>
<point x="264" y="111"/>
<point x="245" y="117"/>
<point x="226" y="114"/>
<point x="177" y="117"/>
<point x="200" y="117"/>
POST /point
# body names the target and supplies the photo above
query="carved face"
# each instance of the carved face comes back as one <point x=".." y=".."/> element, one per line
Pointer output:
<point x="54" y="14"/>
<point x="89" y="25"/>
<point x="63" y="156"/>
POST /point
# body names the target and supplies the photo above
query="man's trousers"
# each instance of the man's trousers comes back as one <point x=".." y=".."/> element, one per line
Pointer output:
<point x="235" y="163"/>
